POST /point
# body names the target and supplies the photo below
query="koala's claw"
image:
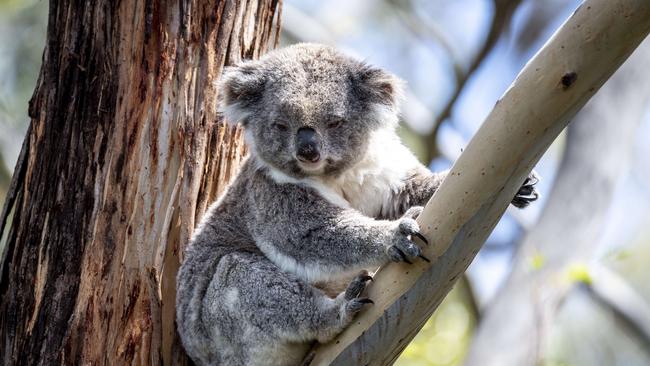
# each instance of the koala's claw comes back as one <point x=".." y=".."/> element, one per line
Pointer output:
<point x="424" y="258"/>
<point x="421" y="237"/>
<point x="366" y="278"/>
<point x="527" y="192"/>
<point x="365" y="300"/>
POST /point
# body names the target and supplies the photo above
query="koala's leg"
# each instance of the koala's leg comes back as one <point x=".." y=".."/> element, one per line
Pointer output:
<point x="260" y="315"/>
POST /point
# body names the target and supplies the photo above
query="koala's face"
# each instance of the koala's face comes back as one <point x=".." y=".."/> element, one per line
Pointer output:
<point x="309" y="110"/>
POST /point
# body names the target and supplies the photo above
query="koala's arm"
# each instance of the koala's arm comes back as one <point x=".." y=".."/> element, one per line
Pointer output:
<point x="306" y="235"/>
<point x="415" y="189"/>
<point x="420" y="184"/>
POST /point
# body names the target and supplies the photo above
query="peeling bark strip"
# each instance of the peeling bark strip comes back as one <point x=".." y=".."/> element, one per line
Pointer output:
<point x="590" y="46"/>
<point x="124" y="152"/>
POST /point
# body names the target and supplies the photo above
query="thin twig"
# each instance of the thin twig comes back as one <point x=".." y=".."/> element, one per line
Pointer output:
<point x="503" y="10"/>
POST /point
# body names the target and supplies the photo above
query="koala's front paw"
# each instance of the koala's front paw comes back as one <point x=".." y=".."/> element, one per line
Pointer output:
<point x="402" y="248"/>
<point x="527" y="192"/>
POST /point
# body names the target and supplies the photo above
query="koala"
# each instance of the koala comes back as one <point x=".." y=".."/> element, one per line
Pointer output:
<point x="327" y="192"/>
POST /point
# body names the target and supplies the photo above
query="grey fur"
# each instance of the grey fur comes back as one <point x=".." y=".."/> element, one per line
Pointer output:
<point x="262" y="277"/>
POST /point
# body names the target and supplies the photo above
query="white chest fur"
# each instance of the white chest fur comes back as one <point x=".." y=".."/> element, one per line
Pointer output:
<point x="369" y="186"/>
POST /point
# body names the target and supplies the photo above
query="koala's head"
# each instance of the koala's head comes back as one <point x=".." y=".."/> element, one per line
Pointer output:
<point x="308" y="109"/>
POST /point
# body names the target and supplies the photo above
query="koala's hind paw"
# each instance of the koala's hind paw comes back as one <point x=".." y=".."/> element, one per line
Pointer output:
<point x="527" y="193"/>
<point x="357" y="285"/>
<point x="353" y="303"/>
<point x="403" y="248"/>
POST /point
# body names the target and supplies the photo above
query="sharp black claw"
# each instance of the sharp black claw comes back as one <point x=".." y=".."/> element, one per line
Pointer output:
<point x="417" y="234"/>
<point x="532" y="180"/>
<point x="519" y="203"/>
<point x="425" y="258"/>
<point x="401" y="254"/>
<point x="365" y="301"/>
<point x="525" y="191"/>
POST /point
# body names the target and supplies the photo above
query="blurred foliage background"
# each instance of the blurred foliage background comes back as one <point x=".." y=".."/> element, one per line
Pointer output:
<point x="458" y="57"/>
<point x="22" y="37"/>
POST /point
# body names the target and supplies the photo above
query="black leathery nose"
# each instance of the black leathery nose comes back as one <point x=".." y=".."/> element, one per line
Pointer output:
<point x="307" y="145"/>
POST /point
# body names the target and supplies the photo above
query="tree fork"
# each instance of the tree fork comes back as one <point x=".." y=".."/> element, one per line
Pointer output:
<point x="124" y="152"/>
<point x="548" y="92"/>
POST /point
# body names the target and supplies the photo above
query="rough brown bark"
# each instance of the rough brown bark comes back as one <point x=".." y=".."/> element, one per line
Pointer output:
<point x="124" y="152"/>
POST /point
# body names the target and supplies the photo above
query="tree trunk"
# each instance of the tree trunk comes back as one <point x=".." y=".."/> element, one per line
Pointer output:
<point x="124" y="152"/>
<point x="548" y="92"/>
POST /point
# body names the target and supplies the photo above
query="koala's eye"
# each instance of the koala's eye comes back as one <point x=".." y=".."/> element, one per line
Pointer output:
<point x="335" y="122"/>
<point x="280" y="126"/>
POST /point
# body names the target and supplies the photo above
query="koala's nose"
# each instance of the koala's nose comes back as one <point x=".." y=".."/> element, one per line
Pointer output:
<point x="307" y="145"/>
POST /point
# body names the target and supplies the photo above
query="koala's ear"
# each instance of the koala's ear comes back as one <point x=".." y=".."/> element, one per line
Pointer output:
<point x="240" y="88"/>
<point x="375" y="85"/>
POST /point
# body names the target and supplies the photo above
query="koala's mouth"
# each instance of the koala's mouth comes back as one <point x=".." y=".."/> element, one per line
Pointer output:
<point x="309" y="167"/>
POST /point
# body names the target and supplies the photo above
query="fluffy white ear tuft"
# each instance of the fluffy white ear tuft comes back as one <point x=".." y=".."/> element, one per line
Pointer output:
<point x="240" y="88"/>
<point x="379" y="86"/>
